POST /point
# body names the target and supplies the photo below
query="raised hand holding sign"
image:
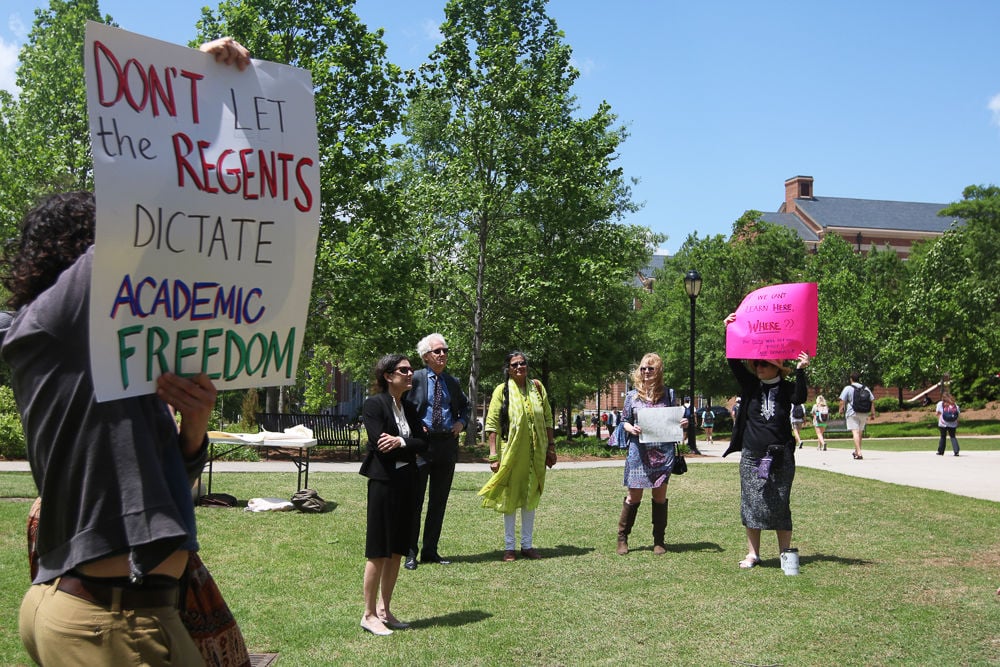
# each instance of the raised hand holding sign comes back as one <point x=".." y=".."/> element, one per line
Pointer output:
<point x="775" y="322"/>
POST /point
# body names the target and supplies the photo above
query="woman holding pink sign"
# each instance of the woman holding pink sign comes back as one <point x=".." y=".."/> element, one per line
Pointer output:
<point x="762" y="434"/>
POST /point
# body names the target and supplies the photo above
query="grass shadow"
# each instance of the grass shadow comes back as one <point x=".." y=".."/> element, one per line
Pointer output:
<point x="830" y="558"/>
<point x="452" y="620"/>
<point x="561" y="551"/>
<point x="706" y="547"/>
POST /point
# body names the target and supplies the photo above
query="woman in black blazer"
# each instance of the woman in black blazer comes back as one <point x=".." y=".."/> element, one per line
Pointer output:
<point x="395" y="436"/>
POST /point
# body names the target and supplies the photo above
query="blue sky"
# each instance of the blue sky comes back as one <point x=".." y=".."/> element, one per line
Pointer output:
<point x="724" y="100"/>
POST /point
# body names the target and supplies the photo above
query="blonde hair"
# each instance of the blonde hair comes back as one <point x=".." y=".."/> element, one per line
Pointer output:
<point x="820" y="401"/>
<point x="650" y="390"/>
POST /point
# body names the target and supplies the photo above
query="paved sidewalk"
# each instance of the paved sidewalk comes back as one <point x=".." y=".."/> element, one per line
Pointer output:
<point x="973" y="474"/>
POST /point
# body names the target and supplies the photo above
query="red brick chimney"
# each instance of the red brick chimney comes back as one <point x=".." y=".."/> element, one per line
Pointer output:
<point x="797" y="187"/>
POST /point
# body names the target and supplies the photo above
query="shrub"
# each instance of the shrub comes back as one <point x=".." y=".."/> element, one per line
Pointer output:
<point x="249" y="410"/>
<point x="12" y="444"/>
<point x="886" y="404"/>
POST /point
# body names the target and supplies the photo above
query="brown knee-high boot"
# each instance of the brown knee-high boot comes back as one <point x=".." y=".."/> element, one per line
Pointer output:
<point x="625" y="522"/>
<point x="659" y="527"/>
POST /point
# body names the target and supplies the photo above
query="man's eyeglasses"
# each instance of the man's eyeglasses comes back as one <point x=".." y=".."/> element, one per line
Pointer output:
<point x="403" y="370"/>
<point x="647" y="369"/>
<point x="760" y="363"/>
<point x="440" y="350"/>
<point x="518" y="364"/>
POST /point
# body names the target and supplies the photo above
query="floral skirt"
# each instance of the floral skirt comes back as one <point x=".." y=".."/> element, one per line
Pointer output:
<point x="648" y="465"/>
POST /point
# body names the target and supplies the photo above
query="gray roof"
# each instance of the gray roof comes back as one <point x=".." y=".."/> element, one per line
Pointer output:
<point x="794" y="223"/>
<point x="874" y="214"/>
<point x="655" y="264"/>
<point x="649" y="271"/>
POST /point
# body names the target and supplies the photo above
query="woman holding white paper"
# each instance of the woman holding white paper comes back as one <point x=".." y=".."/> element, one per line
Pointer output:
<point x="763" y="436"/>
<point x="647" y="464"/>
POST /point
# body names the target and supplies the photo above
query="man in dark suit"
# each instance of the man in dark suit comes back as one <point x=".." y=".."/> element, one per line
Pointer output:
<point x="444" y="410"/>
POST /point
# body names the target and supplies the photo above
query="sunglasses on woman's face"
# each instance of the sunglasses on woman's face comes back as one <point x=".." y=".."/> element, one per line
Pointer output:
<point x="647" y="369"/>
<point x="518" y="364"/>
<point x="762" y="364"/>
<point x="403" y="370"/>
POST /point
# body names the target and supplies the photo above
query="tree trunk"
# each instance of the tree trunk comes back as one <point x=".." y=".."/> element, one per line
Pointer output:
<point x="477" y="327"/>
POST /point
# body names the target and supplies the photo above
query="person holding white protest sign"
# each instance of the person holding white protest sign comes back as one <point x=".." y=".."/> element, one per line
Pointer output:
<point x="117" y="523"/>
<point x="648" y="464"/>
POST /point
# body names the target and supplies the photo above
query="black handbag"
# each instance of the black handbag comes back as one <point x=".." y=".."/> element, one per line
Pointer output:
<point x="680" y="465"/>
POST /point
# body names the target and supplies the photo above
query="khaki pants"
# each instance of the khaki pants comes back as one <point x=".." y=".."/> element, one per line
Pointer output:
<point x="60" y="629"/>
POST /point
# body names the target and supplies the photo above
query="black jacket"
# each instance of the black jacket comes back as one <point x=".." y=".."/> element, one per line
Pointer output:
<point x="417" y="396"/>
<point x="749" y="385"/>
<point x="378" y="419"/>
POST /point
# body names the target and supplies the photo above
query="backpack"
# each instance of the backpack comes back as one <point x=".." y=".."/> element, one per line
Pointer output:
<point x="798" y="412"/>
<point x="862" y="400"/>
<point x="949" y="412"/>
<point x="307" y="500"/>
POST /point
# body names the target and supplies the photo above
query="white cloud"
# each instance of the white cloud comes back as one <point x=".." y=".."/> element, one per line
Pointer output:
<point x="432" y="31"/>
<point x="994" y="106"/>
<point x="17" y="27"/>
<point x="9" y="52"/>
<point x="8" y="66"/>
<point x="585" y="67"/>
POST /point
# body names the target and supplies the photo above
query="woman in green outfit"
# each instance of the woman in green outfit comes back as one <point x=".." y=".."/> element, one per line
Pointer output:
<point x="522" y="444"/>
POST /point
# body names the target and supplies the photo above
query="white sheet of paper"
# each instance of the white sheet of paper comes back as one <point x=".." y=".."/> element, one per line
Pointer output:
<point x="660" y="424"/>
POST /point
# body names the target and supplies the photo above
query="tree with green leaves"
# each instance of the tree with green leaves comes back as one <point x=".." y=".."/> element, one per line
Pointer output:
<point x="517" y="199"/>
<point x="361" y="298"/>
<point x="949" y="318"/>
<point x="757" y="254"/>
<point x="44" y="133"/>
<point x="846" y="340"/>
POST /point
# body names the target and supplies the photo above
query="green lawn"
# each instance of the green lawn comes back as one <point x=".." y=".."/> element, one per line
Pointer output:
<point x="891" y="575"/>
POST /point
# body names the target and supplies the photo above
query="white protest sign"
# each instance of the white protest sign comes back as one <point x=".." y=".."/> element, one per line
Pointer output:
<point x="660" y="424"/>
<point x="207" y="187"/>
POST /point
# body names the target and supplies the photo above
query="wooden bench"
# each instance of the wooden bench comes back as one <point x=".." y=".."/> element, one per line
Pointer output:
<point x="329" y="430"/>
<point x="838" y="426"/>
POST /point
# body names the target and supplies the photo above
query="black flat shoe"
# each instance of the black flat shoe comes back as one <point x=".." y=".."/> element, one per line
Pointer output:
<point x="411" y="563"/>
<point x="435" y="559"/>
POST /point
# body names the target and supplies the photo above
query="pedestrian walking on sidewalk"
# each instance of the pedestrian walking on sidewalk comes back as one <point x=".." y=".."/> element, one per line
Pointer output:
<point x="947" y="414"/>
<point x="820" y="413"/>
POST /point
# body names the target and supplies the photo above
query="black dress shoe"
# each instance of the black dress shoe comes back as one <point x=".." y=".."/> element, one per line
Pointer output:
<point x="411" y="563"/>
<point x="435" y="558"/>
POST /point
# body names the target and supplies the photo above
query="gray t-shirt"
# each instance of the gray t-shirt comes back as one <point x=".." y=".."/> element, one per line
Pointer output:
<point x="847" y="396"/>
<point x="111" y="475"/>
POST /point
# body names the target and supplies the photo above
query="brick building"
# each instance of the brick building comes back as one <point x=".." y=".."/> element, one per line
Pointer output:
<point x="864" y="223"/>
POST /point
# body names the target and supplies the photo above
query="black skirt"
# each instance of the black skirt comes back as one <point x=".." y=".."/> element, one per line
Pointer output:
<point x="392" y="510"/>
<point x="765" y="503"/>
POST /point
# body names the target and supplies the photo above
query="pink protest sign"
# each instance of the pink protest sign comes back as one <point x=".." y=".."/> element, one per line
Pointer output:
<point x="775" y="322"/>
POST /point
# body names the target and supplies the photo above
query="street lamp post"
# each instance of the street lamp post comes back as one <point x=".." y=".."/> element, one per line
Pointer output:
<point x="692" y="285"/>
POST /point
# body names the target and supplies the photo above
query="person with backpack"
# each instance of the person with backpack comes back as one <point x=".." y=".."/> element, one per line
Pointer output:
<point x="820" y="413"/>
<point x="708" y="423"/>
<point x="947" y="413"/>
<point x="857" y="404"/>
<point x="798" y="417"/>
